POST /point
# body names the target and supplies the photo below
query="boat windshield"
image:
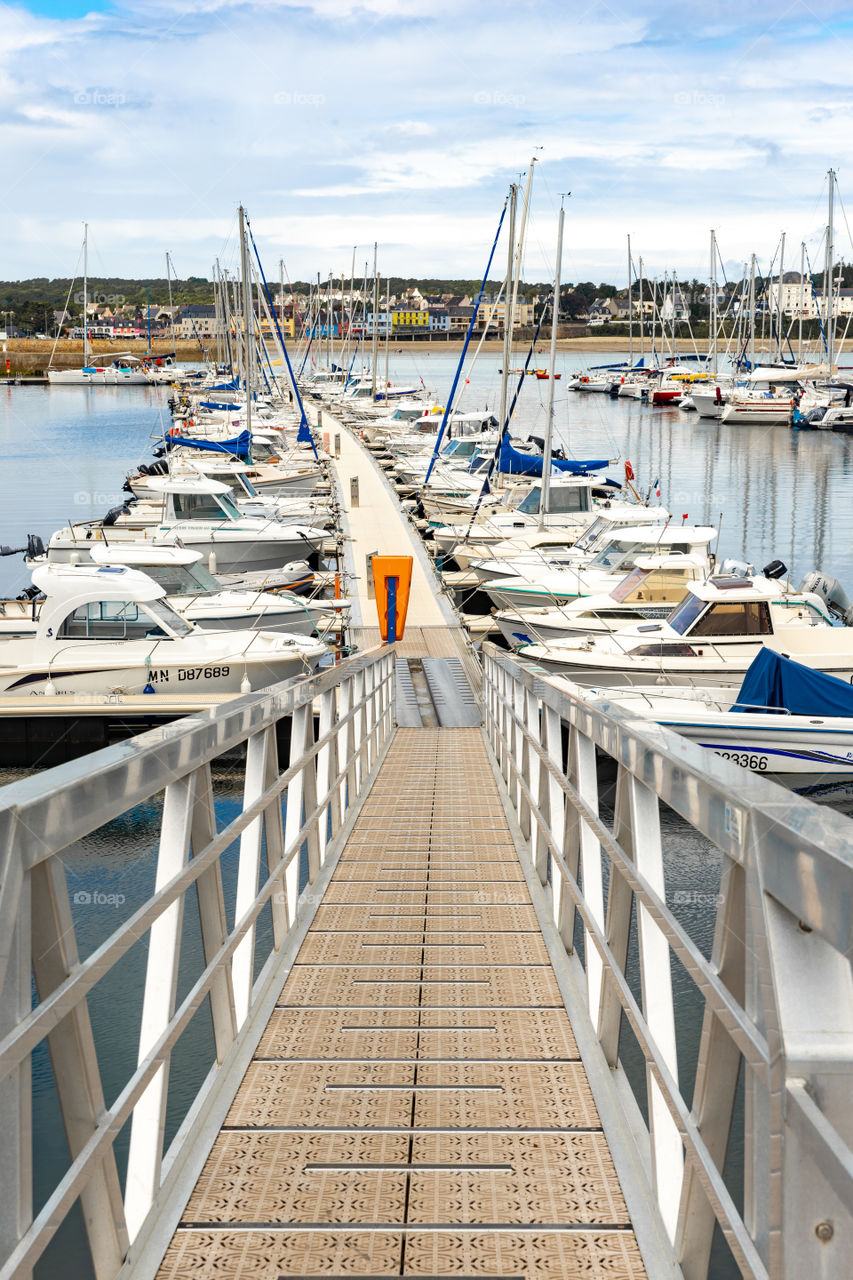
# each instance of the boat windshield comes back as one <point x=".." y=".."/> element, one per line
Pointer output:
<point x="686" y="612"/>
<point x="123" y="620"/>
<point x="204" y="506"/>
<point x="589" y="536"/>
<point x="629" y="584"/>
<point x="169" y="623"/>
<point x="564" y="498"/>
<point x="183" y="579"/>
<point x="245" y="484"/>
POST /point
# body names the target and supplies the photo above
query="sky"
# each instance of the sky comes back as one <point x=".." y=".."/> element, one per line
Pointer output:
<point x="338" y="124"/>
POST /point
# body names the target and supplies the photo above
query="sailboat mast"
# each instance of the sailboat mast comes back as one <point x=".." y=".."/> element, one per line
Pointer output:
<point x="828" y="283"/>
<point x="387" y="334"/>
<point x="374" y="345"/>
<point x="752" y="312"/>
<point x="248" y="334"/>
<point x="85" y="294"/>
<point x="169" y="286"/>
<point x="630" y="308"/>
<point x="712" y="305"/>
<point x="507" y="352"/>
<point x="779" y="294"/>
<point x="802" y="300"/>
<point x="545" y="491"/>
<point x="642" y="319"/>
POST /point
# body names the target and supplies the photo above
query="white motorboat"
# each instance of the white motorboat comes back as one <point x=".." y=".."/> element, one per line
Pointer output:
<point x="649" y="591"/>
<point x="710" y="638"/>
<point x="109" y="629"/>
<point x="535" y="587"/>
<point x="202" y="514"/>
<point x="196" y="595"/>
<point x="746" y="408"/>
<point x="785" y="721"/>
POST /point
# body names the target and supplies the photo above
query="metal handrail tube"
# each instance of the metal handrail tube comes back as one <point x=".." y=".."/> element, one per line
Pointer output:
<point x="89" y="972"/>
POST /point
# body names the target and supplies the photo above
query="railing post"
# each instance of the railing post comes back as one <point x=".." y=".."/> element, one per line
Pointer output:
<point x="259" y="776"/>
<point x="327" y="768"/>
<point x="552" y="802"/>
<point x="716" y="1075"/>
<point x="16" y="1151"/>
<point x="293" y="815"/>
<point x="211" y="910"/>
<point x="358" y="729"/>
<point x="658" y="1007"/>
<point x="161" y="978"/>
<point x="345" y="747"/>
<point x="582" y="774"/>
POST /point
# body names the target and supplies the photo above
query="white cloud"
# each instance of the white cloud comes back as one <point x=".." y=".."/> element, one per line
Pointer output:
<point x="404" y="120"/>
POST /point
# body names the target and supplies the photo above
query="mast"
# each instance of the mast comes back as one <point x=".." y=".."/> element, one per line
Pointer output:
<point x="247" y="331"/>
<point x="752" y="313"/>
<point x="712" y="305"/>
<point x="642" y="319"/>
<point x="779" y="294"/>
<point x="630" y="307"/>
<point x="374" y="345"/>
<point x="544" y="492"/>
<point x="828" y="283"/>
<point x="169" y="286"/>
<point x="507" y="352"/>
<point x="387" y="333"/>
<point x="85" y="294"/>
<point x="802" y="301"/>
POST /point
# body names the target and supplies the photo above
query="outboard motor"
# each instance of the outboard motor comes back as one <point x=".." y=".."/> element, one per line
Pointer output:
<point x="831" y="593"/>
<point x="738" y="568"/>
<point x="113" y="515"/>
<point x="775" y="569"/>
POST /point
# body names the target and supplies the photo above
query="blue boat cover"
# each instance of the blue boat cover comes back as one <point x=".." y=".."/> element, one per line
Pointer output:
<point x="238" y="445"/>
<point x="225" y="386"/>
<point x="512" y="462"/>
<point x="774" y="681"/>
<point x="220" y="404"/>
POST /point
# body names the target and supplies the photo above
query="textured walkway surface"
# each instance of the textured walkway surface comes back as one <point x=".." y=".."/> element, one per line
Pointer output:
<point x="378" y="524"/>
<point x="416" y="1106"/>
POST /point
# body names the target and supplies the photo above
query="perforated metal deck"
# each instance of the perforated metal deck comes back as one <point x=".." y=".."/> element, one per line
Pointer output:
<point x="416" y="1106"/>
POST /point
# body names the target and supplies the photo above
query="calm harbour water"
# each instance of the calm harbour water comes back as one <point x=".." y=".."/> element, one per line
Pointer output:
<point x="65" y="455"/>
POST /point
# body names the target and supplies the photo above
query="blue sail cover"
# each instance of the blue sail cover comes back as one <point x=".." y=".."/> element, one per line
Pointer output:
<point x="225" y="386"/>
<point x="221" y="404"/>
<point x="774" y="681"/>
<point x="239" y="445"/>
<point x="514" y="463"/>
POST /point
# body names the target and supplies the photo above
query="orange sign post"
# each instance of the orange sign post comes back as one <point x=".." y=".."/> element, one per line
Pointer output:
<point x="392" y="579"/>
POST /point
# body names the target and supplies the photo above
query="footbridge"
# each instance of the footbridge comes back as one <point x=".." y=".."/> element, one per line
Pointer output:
<point x="421" y="983"/>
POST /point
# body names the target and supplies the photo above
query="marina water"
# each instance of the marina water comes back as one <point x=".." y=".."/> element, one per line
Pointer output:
<point x="66" y="452"/>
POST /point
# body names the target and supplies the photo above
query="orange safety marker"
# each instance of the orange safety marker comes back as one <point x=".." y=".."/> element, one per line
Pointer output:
<point x="392" y="579"/>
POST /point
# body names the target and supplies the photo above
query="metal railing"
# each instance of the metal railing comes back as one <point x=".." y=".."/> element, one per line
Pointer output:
<point x="291" y="817"/>
<point x="776" y="994"/>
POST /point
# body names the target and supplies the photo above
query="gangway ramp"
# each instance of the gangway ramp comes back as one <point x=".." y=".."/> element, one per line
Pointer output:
<point x="417" y="1105"/>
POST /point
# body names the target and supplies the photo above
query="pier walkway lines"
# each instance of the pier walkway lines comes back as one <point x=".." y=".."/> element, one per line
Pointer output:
<point x="416" y="1105"/>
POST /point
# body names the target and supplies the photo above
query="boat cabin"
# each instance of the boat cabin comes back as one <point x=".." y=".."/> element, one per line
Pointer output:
<point x="110" y="602"/>
<point x="177" y="570"/>
<point x="195" y="498"/>
<point x="625" y="548"/>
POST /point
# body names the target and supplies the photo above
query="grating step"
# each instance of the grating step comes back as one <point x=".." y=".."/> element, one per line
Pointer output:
<point x="455" y="703"/>
<point x="407" y="708"/>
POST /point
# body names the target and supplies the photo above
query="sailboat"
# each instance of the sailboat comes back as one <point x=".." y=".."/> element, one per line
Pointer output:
<point x="120" y="371"/>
